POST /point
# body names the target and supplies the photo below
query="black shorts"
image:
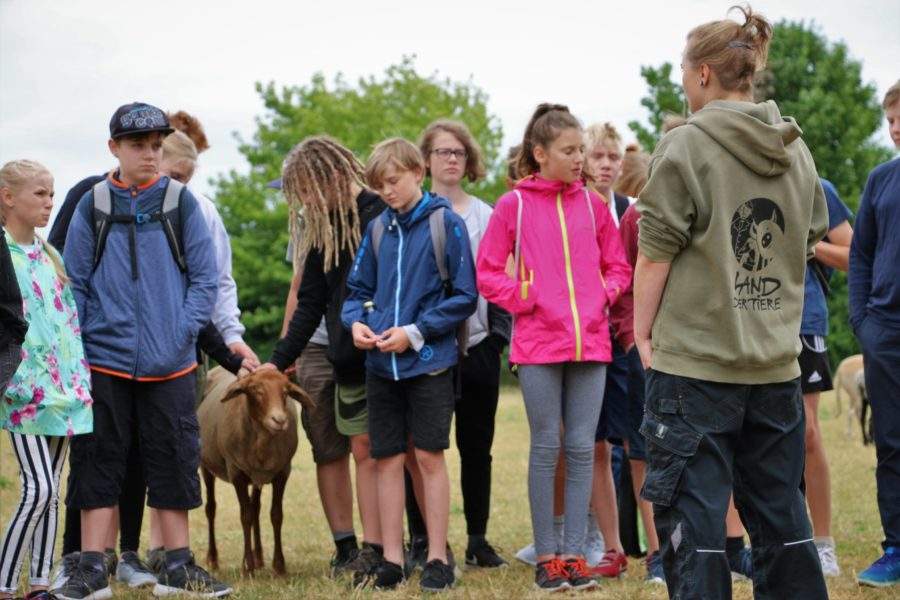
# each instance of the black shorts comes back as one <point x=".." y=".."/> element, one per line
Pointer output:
<point x="420" y="407"/>
<point x="637" y="445"/>
<point x="613" y="423"/>
<point x="815" y="370"/>
<point x="163" y="417"/>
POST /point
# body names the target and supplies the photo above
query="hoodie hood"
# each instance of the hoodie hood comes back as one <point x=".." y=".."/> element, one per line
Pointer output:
<point x="538" y="185"/>
<point x="755" y="134"/>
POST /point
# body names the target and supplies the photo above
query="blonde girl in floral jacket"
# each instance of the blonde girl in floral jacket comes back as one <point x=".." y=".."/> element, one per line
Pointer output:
<point x="48" y="399"/>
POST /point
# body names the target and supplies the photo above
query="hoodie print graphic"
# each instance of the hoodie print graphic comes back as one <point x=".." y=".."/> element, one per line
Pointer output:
<point x="757" y="233"/>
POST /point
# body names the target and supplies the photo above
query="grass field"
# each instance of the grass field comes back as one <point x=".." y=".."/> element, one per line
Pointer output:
<point x="308" y="545"/>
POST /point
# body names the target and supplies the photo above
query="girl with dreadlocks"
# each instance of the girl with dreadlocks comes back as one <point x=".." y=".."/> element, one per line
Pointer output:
<point x="324" y="180"/>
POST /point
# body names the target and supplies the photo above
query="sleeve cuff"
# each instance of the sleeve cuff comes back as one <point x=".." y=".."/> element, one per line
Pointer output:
<point x="416" y="339"/>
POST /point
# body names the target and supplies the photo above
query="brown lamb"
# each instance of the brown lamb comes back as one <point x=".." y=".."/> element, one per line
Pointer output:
<point x="248" y="433"/>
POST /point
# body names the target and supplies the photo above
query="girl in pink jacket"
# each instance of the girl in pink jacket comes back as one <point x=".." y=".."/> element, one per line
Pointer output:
<point x="569" y="268"/>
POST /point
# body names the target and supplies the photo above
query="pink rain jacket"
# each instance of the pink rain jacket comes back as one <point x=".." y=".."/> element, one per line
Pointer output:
<point x="569" y="271"/>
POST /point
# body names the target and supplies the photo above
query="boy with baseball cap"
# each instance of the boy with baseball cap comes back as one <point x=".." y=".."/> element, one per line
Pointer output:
<point x="144" y="281"/>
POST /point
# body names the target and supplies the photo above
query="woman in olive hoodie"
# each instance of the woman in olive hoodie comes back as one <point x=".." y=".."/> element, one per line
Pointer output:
<point x="730" y="214"/>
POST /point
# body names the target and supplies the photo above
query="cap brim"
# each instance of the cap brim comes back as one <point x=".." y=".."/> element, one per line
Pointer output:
<point x="165" y="130"/>
<point x="275" y="184"/>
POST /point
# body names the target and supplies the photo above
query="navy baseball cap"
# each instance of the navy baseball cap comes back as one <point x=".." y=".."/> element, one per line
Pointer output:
<point x="136" y="118"/>
<point x="275" y="184"/>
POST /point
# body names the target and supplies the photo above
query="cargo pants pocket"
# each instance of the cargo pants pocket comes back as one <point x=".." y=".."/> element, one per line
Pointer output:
<point x="670" y="444"/>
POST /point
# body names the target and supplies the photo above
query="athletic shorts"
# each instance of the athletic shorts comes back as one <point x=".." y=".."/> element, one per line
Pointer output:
<point x="614" y="423"/>
<point x="351" y="409"/>
<point x="162" y="414"/>
<point x="315" y="375"/>
<point x="420" y="408"/>
<point x="815" y="370"/>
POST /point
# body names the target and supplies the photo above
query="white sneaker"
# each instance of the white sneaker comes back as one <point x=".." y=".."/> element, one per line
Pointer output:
<point x="594" y="547"/>
<point x="828" y="559"/>
<point x="527" y="555"/>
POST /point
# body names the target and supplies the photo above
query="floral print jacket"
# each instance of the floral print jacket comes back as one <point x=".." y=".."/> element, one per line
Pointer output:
<point x="50" y="392"/>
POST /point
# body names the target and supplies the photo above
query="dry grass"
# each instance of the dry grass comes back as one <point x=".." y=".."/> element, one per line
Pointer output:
<point x="308" y="545"/>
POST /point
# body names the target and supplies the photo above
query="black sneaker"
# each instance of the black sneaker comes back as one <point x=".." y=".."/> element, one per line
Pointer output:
<point x="364" y="564"/>
<point x="191" y="580"/>
<point x="85" y="583"/>
<point x="484" y="556"/>
<point x="341" y="561"/>
<point x="741" y="564"/>
<point x="579" y="574"/>
<point x="551" y="576"/>
<point x="416" y="553"/>
<point x="437" y="576"/>
<point x="387" y="576"/>
<point x="111" y="561"/>
<point x="67" y="565"/>
<point x="156" y="560"/>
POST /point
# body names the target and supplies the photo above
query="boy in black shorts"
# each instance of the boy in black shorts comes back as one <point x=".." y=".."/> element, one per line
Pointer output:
<point x="407" y="316"/>
<point x="144" y="279"/>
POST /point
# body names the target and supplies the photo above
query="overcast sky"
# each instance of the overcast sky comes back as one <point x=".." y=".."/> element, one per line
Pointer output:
<point x="66" y="66"/>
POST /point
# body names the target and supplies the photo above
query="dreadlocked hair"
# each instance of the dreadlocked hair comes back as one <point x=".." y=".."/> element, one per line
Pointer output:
<point x="317" y="178"/>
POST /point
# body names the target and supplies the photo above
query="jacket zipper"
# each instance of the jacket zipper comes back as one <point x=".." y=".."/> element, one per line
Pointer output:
<point x="570" y="280"/>
<point x="397" y="295"/>
<point x="137" y="290"/>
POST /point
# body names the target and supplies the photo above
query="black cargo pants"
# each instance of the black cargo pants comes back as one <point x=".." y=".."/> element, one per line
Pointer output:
<point x="706" y="439"/>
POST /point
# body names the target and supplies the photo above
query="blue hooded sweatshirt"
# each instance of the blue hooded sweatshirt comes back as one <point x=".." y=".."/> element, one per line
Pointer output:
<point x="405" y="285"/>
<point x="142" y="328"/>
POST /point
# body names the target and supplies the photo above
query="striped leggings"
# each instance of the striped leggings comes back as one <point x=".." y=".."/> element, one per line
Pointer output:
<point x="33" y="523"/>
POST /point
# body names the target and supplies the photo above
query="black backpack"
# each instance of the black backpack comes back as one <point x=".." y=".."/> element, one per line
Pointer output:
<point x="169" y="214"/>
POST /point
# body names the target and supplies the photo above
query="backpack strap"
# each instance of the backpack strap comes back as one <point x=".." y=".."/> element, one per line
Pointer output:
<point x="439" y="243"/>
<point x="169" y="215"/>
<point x="171" y="211"/>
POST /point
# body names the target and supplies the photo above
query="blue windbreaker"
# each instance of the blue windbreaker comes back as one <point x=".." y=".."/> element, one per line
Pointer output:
<point x="144" y="328"/>
<point x="405" y="285"/>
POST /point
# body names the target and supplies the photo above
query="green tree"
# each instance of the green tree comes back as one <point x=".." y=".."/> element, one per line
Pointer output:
<point x="664" y="97"/>
<point x="401" y="102"/>
<point x="818" y="83"/>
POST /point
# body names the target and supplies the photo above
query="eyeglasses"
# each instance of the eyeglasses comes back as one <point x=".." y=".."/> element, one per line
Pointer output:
<point x="446" y="153"/>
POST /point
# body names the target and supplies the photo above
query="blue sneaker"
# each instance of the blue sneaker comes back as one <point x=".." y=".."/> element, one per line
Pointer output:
<point x="655" y="569"/>
<point x="883" y="572"/>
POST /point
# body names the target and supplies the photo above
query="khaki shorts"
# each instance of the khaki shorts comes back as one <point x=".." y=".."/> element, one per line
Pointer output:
<point x="316" y="375"/>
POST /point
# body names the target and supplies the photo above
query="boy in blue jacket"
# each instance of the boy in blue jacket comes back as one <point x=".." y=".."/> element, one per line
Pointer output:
<point x="405" y="309"/>
<point x="874" y="290"/>
<point x="144" y="279"/>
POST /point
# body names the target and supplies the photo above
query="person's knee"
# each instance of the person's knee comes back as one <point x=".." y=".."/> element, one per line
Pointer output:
<point x="602" y="455"/>
<point x="813" y="437"/>
<point x="430" y="462"/>
<point x="360" y="447"/>
<point x="390" y="465"/>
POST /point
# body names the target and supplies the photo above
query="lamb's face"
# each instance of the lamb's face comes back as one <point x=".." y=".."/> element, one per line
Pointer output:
<point x="267" y="394"/>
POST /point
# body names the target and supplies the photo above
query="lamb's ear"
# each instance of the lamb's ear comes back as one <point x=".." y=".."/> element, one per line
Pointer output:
<point x="236" y="389"/>
<point x="300" y="395"/>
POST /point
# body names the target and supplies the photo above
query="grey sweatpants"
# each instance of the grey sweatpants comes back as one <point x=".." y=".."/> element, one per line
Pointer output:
<point x="568" y="394"/>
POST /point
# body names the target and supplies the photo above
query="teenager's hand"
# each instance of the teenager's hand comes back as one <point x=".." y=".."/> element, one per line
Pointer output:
<point x="645" y="349"/>
<point x="393" y="340"/>
<point x="363" y="337"/>
<point x="242" y="349"/>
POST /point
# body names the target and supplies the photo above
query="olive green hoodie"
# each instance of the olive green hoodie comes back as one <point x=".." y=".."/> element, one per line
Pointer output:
<point x="734" y="203"/>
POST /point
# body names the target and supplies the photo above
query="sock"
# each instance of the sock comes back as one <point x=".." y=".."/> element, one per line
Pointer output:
<point x="343" y="535"/>
<point x="92" y="561"/>
<point x="178" y="558"/>
<point x="824" y="540"/>
<point x="476" y="541"/>
<point x="734" y="545"/>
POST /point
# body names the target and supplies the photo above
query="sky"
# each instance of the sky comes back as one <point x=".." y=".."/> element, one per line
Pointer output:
<point x="66" y="66"/>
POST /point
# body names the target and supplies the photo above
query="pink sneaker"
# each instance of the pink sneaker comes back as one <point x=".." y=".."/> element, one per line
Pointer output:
<point x="613" y="564"/>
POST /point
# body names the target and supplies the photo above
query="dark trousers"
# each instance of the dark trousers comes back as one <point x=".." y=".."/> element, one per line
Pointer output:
<point x="705" y="439"/>
<point x="476" y="411"/>
<point x="131" y="509"/>
<point x="881" y="354"/>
